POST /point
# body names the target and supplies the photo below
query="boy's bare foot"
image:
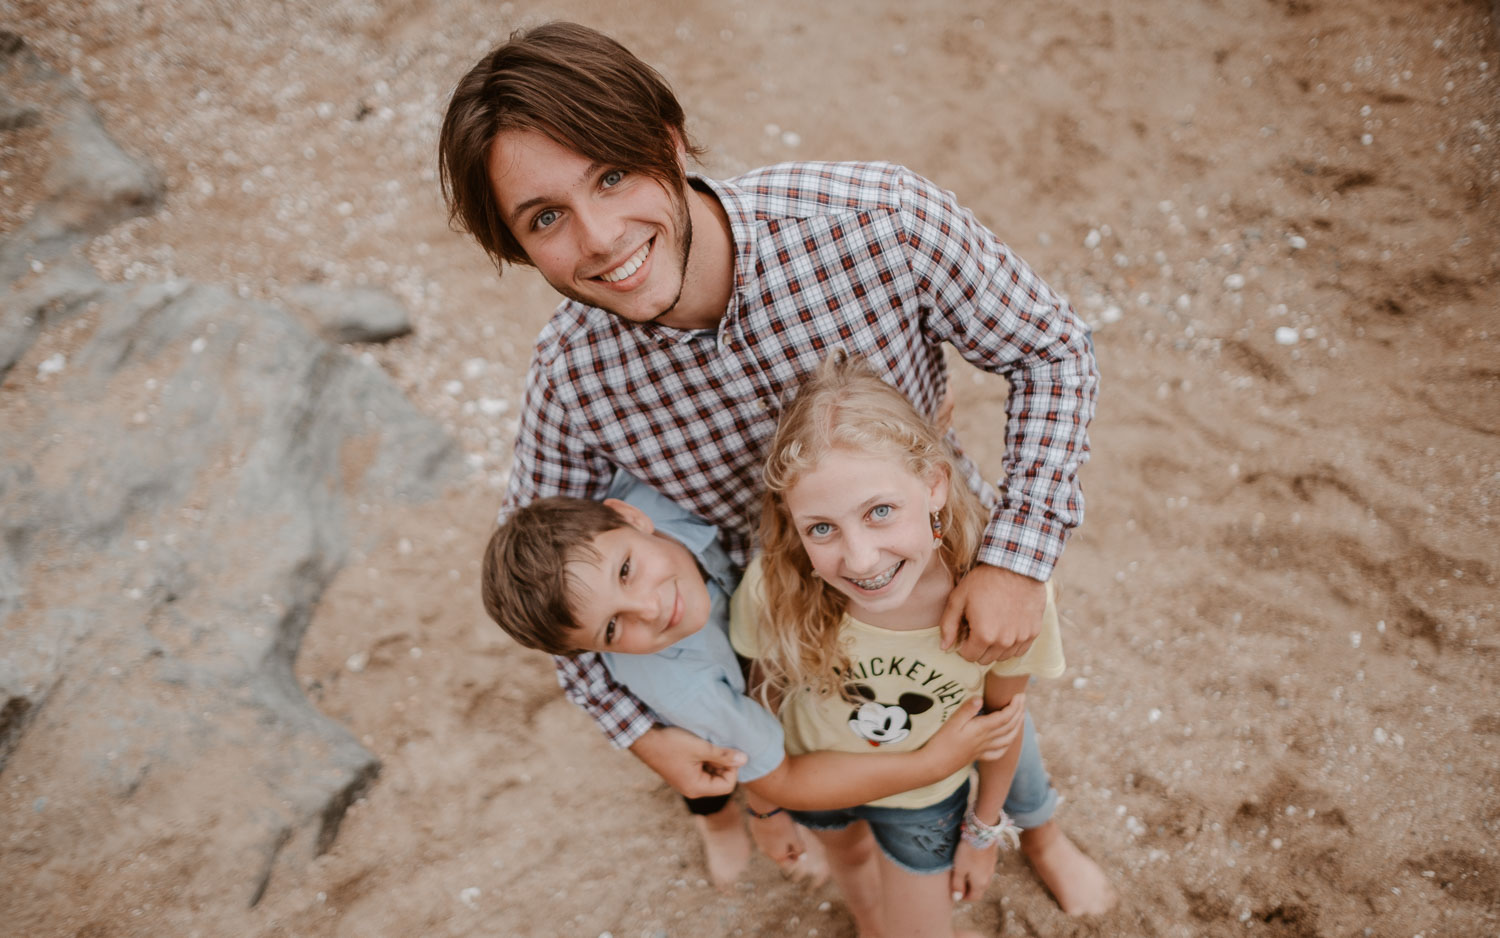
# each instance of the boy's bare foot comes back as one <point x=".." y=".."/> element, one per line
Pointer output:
<point x="1075" y="881"/>
<point x="726" y="844"/>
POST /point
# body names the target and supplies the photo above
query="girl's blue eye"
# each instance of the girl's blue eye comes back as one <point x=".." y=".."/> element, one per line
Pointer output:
<point x="880" y="512"/>
<point x="544" y="219"/>
<point x="821" y="529"/>
<point x="613" y="177"/>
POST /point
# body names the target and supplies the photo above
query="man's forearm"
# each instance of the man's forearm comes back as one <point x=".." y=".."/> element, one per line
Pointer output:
<point x="620" y="715"/>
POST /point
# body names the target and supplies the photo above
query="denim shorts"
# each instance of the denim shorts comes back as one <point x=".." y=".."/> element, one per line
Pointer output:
<point x="919" y="840"/>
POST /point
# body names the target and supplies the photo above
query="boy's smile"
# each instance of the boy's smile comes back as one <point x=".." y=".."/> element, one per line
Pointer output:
<point x="643" y="592"/>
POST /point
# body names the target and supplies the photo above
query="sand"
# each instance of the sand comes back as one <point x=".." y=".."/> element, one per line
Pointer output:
<point x="1280" y="713"/>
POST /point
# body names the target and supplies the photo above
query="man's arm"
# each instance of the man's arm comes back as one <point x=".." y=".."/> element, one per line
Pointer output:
<point x="550" y="459"/>
<point x="1004" y="319"/>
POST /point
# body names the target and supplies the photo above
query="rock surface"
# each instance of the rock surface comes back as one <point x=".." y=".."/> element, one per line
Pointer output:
<point x="179" y="486"/>
<point x="361" y="314"/>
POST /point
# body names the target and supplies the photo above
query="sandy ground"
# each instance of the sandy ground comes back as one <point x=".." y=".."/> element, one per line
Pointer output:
<point x="1280" y="715"/>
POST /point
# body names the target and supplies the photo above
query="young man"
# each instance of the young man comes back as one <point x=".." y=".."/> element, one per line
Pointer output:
<point x="647" y="585"/>
<point x="694" y="305"/>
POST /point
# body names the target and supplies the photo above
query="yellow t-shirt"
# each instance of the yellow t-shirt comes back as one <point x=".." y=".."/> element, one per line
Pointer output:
<point x="909" y="683"/>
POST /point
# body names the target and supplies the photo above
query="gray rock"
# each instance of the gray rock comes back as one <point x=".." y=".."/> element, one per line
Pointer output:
<point x="359" y="314"/>
<point x="174" y="499"/>
<point x="91" y="183"/>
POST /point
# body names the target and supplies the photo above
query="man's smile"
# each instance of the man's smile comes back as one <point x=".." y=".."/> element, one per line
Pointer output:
<point x="631" y="265"/>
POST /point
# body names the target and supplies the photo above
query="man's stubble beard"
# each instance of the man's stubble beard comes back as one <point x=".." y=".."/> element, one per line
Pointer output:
<point x="684" y="219"/>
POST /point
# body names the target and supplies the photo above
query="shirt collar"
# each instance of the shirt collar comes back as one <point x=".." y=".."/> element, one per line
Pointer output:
<point x="737" y="207"/>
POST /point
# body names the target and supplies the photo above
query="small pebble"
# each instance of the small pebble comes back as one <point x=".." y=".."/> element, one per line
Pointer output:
<point x="1093" y="239"/>
<point x="1286" y="335"/>
<point x="1234" y="282"/>
<point x="51" y="365"/>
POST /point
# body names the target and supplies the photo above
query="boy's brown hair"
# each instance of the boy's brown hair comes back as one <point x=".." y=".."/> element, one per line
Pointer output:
<point x="525" y="583"/>
<point x="573" y="84"/>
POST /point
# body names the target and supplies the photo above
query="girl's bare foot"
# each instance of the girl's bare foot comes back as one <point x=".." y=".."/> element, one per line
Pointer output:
<point x="812" y="866"/>
<point x="726" y="844"/>
<point x="1075" y="881"/>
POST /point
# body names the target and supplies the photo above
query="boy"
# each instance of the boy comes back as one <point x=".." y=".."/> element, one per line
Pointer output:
<point x="647" y="584"/>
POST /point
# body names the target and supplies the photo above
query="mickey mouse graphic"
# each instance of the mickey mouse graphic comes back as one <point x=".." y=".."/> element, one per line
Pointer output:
<point x="877" y="723"/>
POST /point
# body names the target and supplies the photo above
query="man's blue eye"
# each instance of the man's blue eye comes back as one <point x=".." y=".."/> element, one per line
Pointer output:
<point x="544" y="219"/>
<point x="880" y="512"/>
<point x="613" y="177"/>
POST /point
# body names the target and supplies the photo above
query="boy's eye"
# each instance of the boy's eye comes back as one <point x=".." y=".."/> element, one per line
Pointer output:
<point x="625" y="569"/>
<point x="821" y="529"/>
<point x="609" y="632"/>
<point x="544" y="219"/>
<point x="612" y="178"/>
<point x="881" y="512"/>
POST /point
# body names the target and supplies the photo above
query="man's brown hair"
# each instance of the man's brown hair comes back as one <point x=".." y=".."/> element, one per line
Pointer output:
<point x="573" y="84"/>
<point x="525" y="583"/>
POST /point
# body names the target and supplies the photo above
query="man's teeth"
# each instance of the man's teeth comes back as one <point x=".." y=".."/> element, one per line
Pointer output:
<point x="877" y="582"/>
<point x="629" y="267"/>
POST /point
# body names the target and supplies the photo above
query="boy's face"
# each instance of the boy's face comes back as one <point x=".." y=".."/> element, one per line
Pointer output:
<point x="644" y="591"/>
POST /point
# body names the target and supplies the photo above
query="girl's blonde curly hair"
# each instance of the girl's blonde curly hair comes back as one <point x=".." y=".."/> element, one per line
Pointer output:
<point x="844" y="405"/>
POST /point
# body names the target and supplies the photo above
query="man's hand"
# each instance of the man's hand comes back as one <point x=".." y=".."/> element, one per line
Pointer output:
<point x="993" y="614"/>
<point x="694" y="767"/>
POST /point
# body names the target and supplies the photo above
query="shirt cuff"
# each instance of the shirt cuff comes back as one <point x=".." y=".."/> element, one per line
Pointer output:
<point x="1029" y="546"/>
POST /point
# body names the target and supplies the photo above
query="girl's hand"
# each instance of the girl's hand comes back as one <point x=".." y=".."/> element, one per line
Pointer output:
<point x="972" y="869"/>
<point x="968" y="736"/>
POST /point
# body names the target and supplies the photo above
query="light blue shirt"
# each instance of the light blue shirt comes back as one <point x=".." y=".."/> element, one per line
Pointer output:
<point x="696" y="684"/>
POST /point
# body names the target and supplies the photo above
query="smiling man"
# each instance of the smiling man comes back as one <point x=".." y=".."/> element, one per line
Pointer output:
<point x="694" y="305"/>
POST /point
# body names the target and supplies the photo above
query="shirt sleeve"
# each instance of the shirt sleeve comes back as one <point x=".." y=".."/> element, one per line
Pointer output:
<point x="551" y="460"/>
<point x="1003" y="318"/>
<point x="725" y="717"/>
<point x="1044" y="659"/>
<point x="621" y="715"/>
<point x="744" y="612"/>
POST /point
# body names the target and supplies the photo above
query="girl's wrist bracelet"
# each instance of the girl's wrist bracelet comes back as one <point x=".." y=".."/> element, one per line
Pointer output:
<point x="982" y="836"/>
<point x="756" y="814"/>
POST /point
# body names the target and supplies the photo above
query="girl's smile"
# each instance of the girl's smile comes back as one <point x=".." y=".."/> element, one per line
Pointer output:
<point x="865" y="522"/>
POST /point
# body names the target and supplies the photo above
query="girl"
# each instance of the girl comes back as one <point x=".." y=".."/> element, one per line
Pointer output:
<point x="864" y="533"/>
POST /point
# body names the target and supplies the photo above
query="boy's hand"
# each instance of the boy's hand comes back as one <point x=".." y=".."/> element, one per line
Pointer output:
<point x="1003" y="611"/>
<point x="969" y="736"/>
<point x="972" y="869"/>
<point x="694" y="767"/>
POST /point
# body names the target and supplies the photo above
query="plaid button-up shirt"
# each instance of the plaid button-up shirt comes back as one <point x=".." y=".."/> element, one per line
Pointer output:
<point x="868" y="257"/>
